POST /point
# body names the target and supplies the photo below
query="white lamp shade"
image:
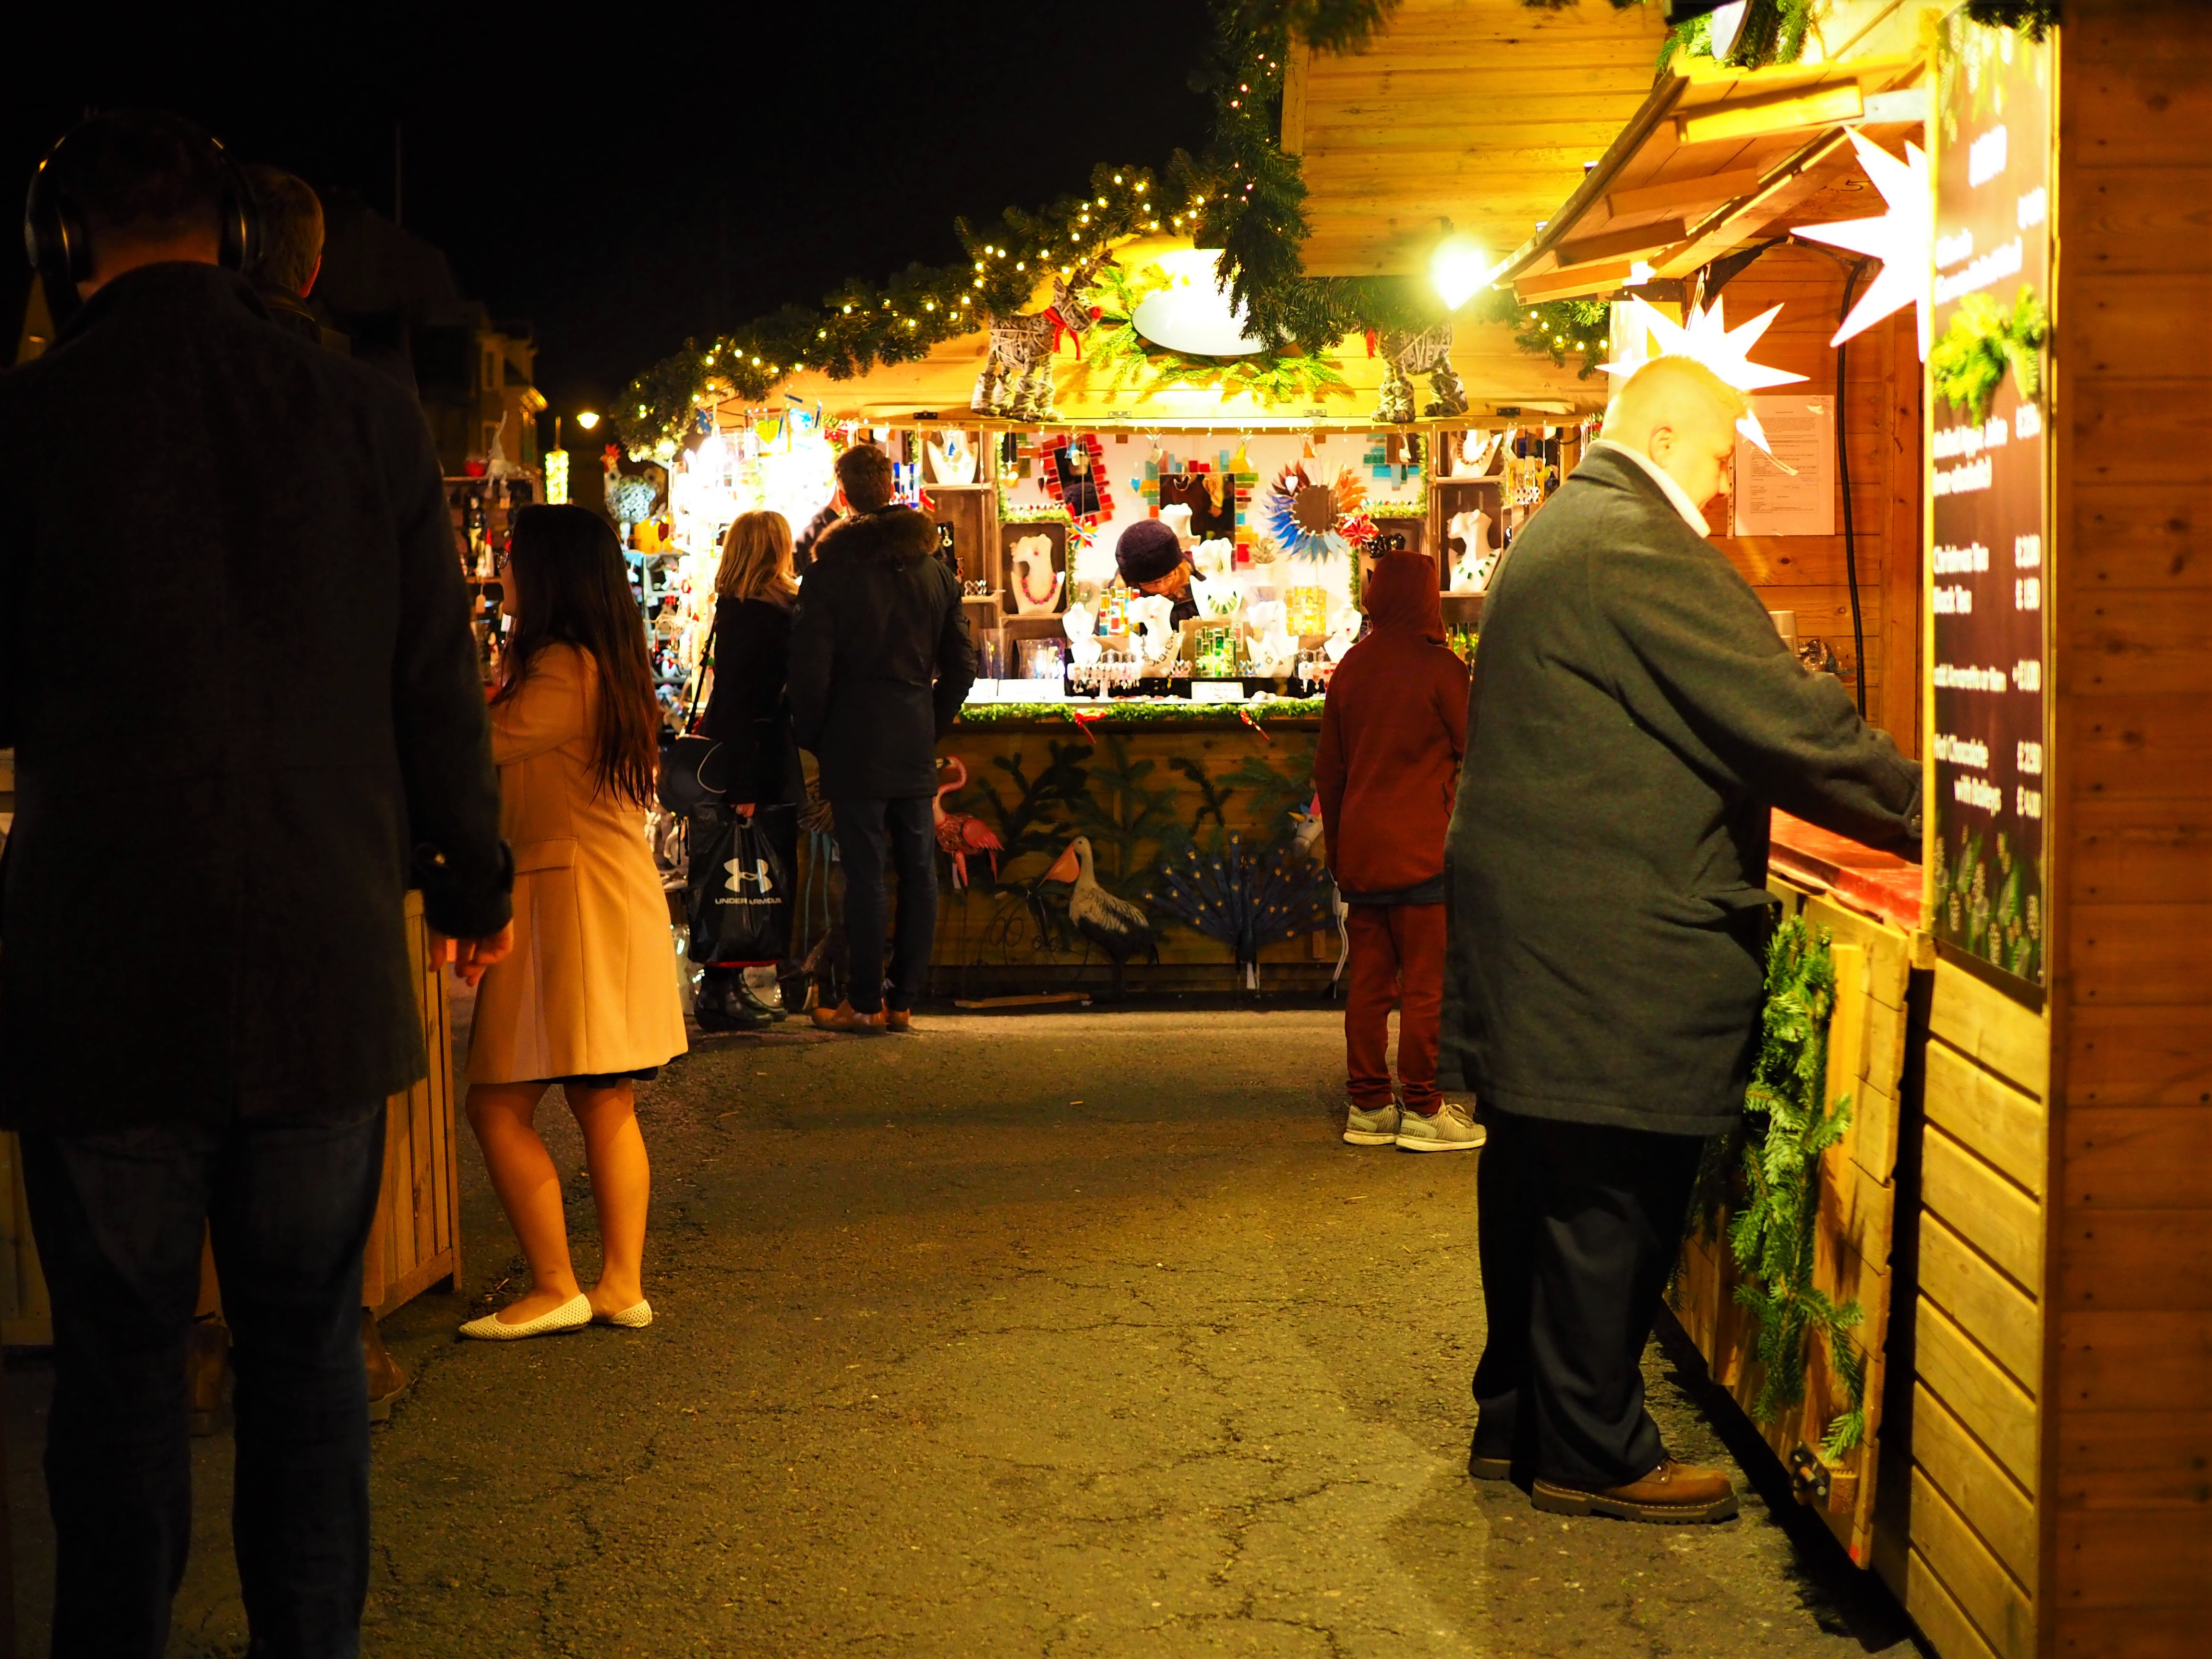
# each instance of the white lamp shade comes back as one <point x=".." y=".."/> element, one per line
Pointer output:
<point x="1192" y="314"/>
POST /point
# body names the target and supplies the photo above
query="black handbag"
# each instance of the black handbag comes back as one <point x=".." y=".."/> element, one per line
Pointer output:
<point x="695" y="770"/>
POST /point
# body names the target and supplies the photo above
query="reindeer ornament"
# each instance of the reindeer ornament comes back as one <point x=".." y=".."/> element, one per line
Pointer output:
<point x="1408" y="354"/>
<point x="1017" y="377"/>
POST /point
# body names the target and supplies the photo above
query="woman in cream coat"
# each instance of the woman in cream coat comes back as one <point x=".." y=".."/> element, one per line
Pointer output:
<point x="589" y="997"/>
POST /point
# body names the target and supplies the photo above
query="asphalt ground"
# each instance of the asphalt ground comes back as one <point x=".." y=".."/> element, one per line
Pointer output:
<point x="1069" y="1333"/>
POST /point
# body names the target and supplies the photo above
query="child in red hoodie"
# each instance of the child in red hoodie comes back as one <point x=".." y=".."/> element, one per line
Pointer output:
<point x="1392" y="732"/>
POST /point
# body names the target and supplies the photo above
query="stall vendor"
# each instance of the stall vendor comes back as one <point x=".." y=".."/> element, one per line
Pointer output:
<point x="1151" y="559"/>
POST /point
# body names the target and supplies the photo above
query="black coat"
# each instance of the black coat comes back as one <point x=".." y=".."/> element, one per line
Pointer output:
<point x="878" y="620"/>
<point x="749" y="709"/>
<point x="1633" y="720"/>
<point x="236" y="669"/>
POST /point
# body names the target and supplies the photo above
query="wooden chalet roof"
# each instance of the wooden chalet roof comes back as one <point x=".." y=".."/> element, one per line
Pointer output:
<point x="1480" y="112"/>
<point x="939" y="384"/>
<point x="1715" y="159"/>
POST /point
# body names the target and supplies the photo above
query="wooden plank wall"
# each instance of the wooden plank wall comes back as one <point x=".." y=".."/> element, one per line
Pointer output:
<point x="1964" y="1550"/>
<point x="1881" y="423"/>
<point x="416" y="1240"/>
<point x="1480" y="112"/>
<point x="1858" y="1210"/>
<point x="2127" y="1524"/>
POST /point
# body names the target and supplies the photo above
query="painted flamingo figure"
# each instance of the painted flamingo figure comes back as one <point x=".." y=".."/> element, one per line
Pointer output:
<point x="957" y="833"/>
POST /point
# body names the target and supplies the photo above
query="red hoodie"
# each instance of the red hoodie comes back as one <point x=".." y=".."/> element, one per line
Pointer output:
<point x="1392" y="731"/>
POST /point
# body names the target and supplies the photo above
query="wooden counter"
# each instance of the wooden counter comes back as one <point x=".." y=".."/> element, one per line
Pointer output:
<point x="416" y="1243"/>
<point x="1139" y="785"/>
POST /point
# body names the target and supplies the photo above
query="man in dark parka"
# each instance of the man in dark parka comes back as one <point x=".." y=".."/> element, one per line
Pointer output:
<point x="881" y="661"/>
<point x="1633" y="719"/>
<point x="228" y="766"/>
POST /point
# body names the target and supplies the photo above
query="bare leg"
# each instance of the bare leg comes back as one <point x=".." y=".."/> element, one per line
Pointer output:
<point x="504" y="1115"/>
<point x="622" y="1183"/>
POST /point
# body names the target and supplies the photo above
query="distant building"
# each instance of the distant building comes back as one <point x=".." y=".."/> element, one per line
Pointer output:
<point x="393" y="296"/>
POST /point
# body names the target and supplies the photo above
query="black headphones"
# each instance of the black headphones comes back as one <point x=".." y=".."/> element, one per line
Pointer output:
<point x="60" y="250"/>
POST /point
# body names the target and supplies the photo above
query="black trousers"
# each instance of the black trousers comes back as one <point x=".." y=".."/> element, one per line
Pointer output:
<point x="867" y="829"/>
<point x="1578" y="1227"/>
<point x="119" y="1216"/>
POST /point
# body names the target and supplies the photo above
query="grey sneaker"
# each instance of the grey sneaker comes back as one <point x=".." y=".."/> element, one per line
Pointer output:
<point x="1376" y="1128"/>
<point x="1451" y="1130"/>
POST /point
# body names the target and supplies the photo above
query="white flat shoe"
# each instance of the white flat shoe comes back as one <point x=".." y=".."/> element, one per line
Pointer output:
<point x="571" y="1316"/>
<point x="633" y="1318"/>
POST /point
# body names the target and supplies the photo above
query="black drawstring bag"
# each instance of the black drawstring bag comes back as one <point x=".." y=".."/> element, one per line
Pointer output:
<point x="739" y="892"/>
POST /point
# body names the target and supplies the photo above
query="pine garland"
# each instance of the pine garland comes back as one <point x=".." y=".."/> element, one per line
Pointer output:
<point x="1788" y="1125"/>
<point x="1275" y="376"/>
<point x="1124" y="712"/>
<point x="2033" y="18"/>
<point x="1969" y="363"/>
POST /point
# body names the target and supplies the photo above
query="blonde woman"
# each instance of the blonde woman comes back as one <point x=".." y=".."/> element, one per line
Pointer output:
<point x="749" y="712"/>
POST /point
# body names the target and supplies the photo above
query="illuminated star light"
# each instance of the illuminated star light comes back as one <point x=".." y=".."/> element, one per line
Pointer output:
<point x="1707" y="338"/>
<point x="1901" y="239"/>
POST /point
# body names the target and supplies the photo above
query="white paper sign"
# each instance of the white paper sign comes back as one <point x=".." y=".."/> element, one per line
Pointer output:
<point x="1771" y="501"/>
<point x="1217" y="690"/>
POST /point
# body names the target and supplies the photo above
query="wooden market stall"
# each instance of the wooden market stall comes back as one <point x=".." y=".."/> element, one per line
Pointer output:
<point x="1037" y="764"/>
<point x="2021" y="1209"/>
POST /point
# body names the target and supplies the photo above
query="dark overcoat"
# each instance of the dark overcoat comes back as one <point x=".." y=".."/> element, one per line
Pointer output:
<point x="1633" y="720"/>
<point x="236" y="670"/>
<point x="880" y="657"/>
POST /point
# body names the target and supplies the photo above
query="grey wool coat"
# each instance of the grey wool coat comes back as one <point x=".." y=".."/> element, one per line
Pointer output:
<point x="236" y="670"/>
<point x="1633" y="718"/>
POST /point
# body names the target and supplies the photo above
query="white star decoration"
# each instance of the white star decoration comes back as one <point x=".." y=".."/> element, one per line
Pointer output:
<point x="1707" y="338"/>
<point x="1901" y="239"/>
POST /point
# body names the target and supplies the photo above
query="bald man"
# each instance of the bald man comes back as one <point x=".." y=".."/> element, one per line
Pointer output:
<point x="1633" y="719"/>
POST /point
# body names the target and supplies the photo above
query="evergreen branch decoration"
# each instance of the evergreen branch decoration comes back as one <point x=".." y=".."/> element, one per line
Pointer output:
<point x="1124" y="356"/>
<point x="1772" y="31"/>
<point x="1179" y="712"/>
<point x="2033" y="18"/>
<point x="1330" y="26"/>
<point x="861" y="324"/>
<point x="1788" y="1126"/>
<point x="1969" y="363"/>
<point x="1553" y="328"/>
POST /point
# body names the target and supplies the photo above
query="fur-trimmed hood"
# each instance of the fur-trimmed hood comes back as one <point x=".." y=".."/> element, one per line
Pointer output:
<point x="897" y="535"/>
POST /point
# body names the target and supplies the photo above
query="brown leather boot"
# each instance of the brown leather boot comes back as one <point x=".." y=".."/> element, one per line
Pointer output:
<point x="387" y="1382"/>
<point x="897" y="1020"/>
<point x="207" y="1362"/>
<point x="1672" y="1493"/>
<point x="843" y="1017"/>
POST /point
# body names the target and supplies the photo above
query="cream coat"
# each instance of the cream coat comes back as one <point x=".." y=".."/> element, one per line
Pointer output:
<point x="591" y="986"/>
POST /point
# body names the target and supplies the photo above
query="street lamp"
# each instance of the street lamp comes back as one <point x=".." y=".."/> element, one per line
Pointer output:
<point x="586" y="419"/>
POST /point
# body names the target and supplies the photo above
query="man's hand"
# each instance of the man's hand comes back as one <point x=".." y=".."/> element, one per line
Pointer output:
<point x="469" y="957"/>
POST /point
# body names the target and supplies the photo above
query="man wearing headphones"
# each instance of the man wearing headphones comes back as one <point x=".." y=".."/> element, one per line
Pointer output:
<point x="283" y="729"/>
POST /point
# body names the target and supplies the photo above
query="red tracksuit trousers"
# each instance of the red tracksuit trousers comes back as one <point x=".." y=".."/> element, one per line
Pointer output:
<point x="1397" y="959"/>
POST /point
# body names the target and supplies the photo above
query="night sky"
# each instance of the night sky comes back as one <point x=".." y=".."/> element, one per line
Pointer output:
<point x="621" y="187"/>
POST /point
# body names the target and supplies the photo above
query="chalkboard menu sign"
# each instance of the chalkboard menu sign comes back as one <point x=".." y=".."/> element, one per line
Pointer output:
<point x="1987" y="481"/>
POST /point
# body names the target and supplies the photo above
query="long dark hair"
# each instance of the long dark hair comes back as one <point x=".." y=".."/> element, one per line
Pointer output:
<point x="571" y="589"/>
